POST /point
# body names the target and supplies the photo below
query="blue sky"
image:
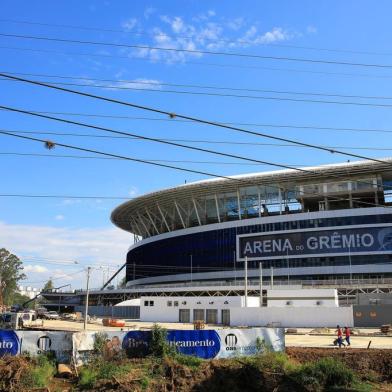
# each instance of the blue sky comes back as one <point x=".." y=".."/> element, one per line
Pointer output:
<point x="75" y="229"/>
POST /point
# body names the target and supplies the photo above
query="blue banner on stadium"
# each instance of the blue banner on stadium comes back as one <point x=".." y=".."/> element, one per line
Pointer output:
<point x="329" y="241"/>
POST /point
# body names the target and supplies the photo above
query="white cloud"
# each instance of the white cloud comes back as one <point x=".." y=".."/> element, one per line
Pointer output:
<point x="97" y="246"/>
<point x="133" y="191"/>
<point x="139" y="83"/>
<point x="129" y="24"/>
<point x="311" y="30"/>
<point x="59" y="217"/>
<point x="236" y="24"/>
<point x="183" y="37"/>
<point x="148" y="12"/>
<point x="39" y="269"/>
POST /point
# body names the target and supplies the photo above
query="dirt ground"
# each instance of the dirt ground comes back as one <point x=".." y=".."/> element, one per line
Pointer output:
<point x="216" y="375"/>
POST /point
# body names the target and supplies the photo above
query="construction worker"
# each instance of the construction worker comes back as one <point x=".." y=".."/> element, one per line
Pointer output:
<point x="347" y="334"/>
<point x="340" y="336"/>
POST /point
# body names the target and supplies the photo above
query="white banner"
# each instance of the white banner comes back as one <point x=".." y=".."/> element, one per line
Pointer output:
<point x="207" y="344"/>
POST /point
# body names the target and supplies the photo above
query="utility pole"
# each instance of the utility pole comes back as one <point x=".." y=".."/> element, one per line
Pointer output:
<point x="246" y="281"/>
<point x="86" y="304"/>
<point x="261" y="283"/>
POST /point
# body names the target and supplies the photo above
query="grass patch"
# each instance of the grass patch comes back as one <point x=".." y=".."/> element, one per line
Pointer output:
<point x="39" y="373"/>
<point x="326" y="374"/>
<point x="188" y="360"/>
<point x="102" y="370"/>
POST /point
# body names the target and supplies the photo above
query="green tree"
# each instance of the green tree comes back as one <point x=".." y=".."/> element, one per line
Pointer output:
<point x="48" y="285"/>
<point x="122" y="283"/>
<point x="11" y="268"/>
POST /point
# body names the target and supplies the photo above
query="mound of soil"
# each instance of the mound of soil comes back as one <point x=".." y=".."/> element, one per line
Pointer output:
<point x="368" y="364"/>
<point x="11" y="370"/>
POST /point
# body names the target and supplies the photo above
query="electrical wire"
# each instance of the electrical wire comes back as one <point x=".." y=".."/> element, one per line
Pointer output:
<point x="238" y="180"/>
<point x="186" y="85"/>
<point x="171" y="115"/>
<point x="210" y="39"/>
<point x="110" y="130"/>
<point x="197" y="51"/>
<point x="108" y="158"/>
<point x="198" y="63"/>
<point x="200" y="93"/>
<point x="294" y="126"/>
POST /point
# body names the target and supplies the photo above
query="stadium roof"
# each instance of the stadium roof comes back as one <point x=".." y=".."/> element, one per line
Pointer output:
<point x="128" y="214"/>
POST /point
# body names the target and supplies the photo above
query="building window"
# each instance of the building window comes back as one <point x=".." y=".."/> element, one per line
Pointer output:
<point x="319" y="303"/>
<point x="145" y="303"/>
<point x="175" y="303"/>
<point x="169" y="303"/>
<point x="288" y="303"/>
<point x="151" y="303"/>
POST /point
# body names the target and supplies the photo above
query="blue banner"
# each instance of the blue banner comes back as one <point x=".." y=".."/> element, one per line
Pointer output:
<point x="200" y="343"/>
<point x="331" y="241"/>
<point x="9" y="343"/>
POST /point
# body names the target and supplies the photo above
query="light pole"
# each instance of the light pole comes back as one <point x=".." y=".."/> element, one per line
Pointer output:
<point x="235" y="268"/>
<point x="191" y="268"/>
<point x="86" y="304"/>
<point x="288" y="268"/>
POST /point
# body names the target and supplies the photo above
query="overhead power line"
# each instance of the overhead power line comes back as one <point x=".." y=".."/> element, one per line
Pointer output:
<point x="161" y="141"/>
<point x="44" y="196"/>
<point x="198" y="63"/>
<point x="210" y="39"/>
<point x="122" y="157"/>
<point x="266" y="125"/>
<point x="108" y="158"/>
<point x="196" y="51"/>
<point x="197" y="141"/>
<point x="221" y="95"/>
<point x="119" y="83"/>
<point x="171" y="115"/>
<point x="237" y="180"/>
<point x="150" y="139"/>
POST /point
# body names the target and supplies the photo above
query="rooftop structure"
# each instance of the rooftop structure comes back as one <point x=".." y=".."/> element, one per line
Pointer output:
<point x="326" y="187"/>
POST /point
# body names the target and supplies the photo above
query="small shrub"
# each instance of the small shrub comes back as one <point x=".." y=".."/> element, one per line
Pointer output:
<point x="272" y="361"/>
<point x="100" y="369"/>
<point x="87" y="377"/>
<point x="39" y="373"/>
<point x="324" y="374"/>
<point x="100" y="339"/>
<point x="188" y="360"/>
<point x="159" y="346"/>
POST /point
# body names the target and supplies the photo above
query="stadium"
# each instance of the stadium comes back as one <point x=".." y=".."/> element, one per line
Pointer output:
<point x="324" y="223"/>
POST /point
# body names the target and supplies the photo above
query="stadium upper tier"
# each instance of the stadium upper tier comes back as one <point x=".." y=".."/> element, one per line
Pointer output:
<point x="326" y="187"/>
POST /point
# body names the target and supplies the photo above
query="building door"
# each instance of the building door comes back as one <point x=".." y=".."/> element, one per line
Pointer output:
<point x="185" y="316"/>
<point x="226" y="316"/>
<point x="212" y="316"/>
<point x="198" y="314"/>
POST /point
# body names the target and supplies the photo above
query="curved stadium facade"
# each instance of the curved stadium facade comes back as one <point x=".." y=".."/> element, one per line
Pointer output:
<point x="322" y="223"/>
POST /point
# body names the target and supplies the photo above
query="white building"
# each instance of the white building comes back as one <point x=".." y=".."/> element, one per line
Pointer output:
<point x="28" y="291"/>
<point x="280" y="307"/>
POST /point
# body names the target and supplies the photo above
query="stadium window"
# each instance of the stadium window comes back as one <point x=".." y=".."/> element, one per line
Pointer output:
<point x="175" y="303"/>
<point x="151" y="303"/>
<point x="169" y="303"/>
<point x="145" y="303"/>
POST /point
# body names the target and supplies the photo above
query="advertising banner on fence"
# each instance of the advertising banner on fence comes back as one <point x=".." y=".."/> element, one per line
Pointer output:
<point x="211" y="343"/>
<point x="207" y="343"/>
<point x="36" y="342"/>
<point x="329" y="241"/>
